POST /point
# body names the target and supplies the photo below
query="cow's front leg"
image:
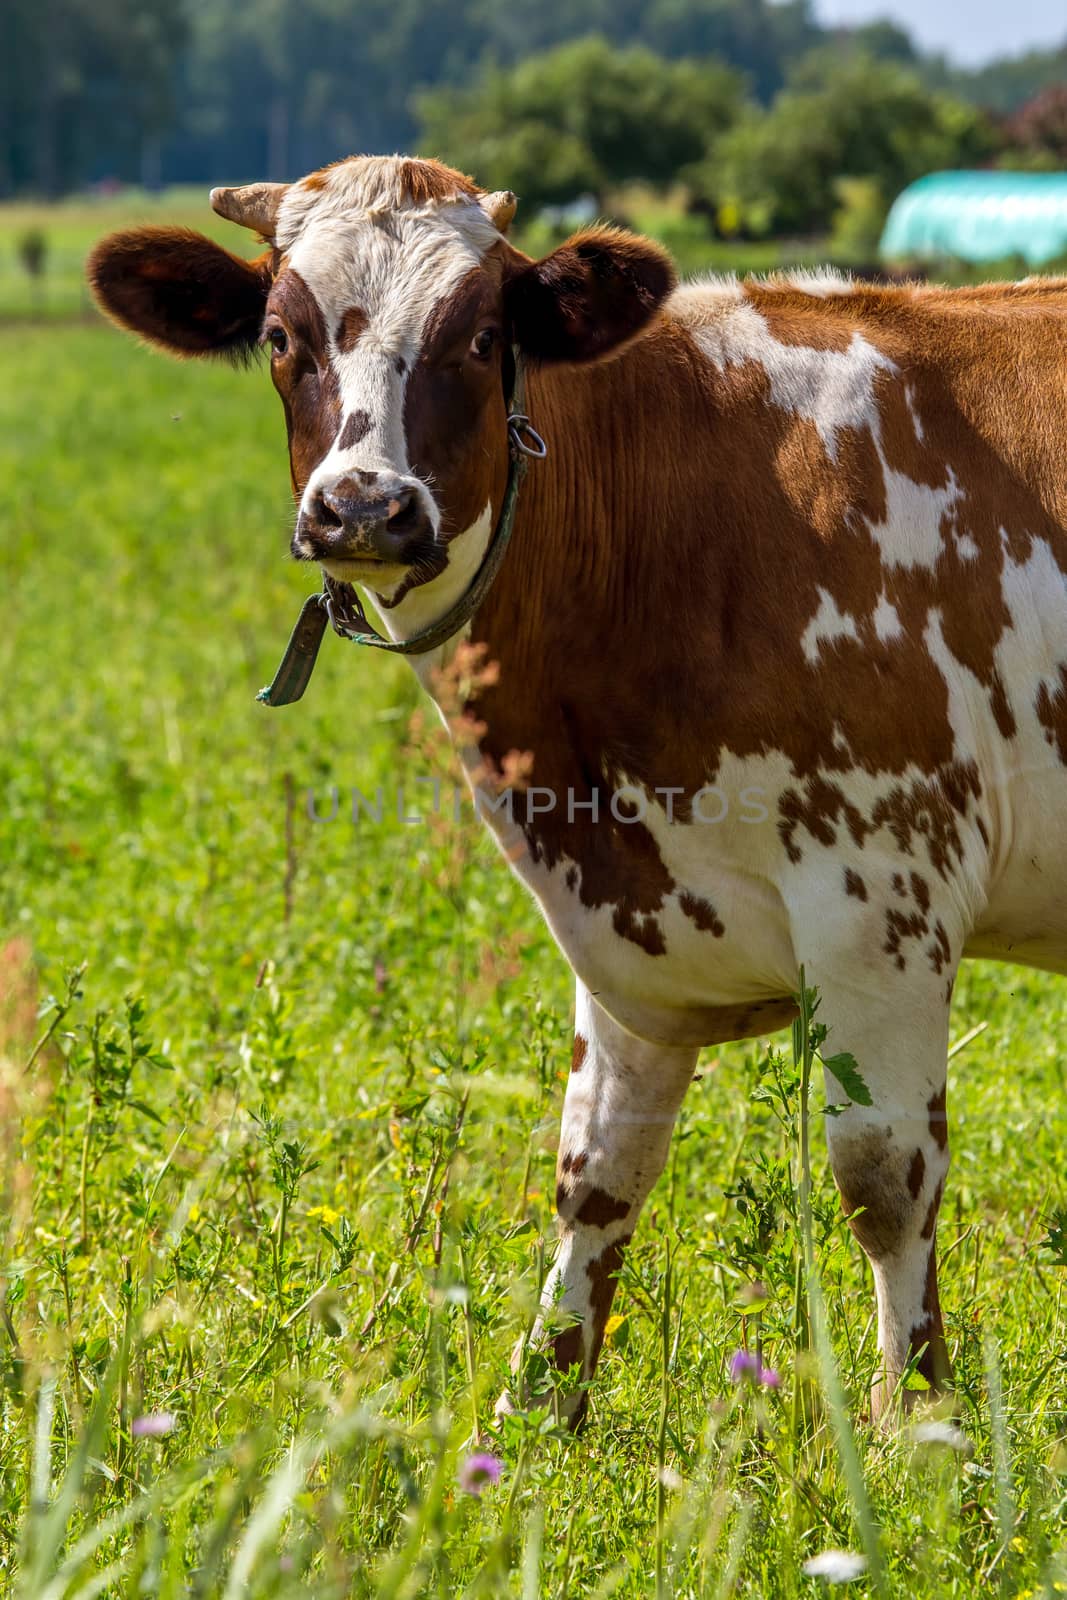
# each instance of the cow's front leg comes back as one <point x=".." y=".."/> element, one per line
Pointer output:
<point x="622" y="1099"/>
<point x="890" y="1161"/>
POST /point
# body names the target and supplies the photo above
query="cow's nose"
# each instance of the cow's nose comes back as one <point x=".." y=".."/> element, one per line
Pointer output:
<point x="347" y="519"/>
<point x="356" y="511"/>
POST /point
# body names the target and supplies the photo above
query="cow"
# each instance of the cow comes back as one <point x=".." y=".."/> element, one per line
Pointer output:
<point x="782" y="625"/>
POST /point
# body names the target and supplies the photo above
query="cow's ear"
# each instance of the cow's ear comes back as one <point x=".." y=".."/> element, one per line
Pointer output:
<point x="180" y="290"/>
<point x="588" y="297"/>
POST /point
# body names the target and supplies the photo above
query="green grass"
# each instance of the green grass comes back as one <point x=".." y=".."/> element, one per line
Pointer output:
<point x="70" y="229"/>
<point x="297" y="1190"/>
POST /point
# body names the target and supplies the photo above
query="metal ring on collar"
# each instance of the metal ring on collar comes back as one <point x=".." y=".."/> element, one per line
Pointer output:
<point x="521" y="430"/>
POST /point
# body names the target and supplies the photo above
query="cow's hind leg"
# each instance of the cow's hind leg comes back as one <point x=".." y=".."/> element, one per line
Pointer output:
<point x="622" y="1099"/>
<point x="890" y="1161"/>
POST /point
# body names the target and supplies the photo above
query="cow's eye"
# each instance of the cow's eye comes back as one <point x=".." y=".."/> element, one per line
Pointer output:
<point x="279" y="341"/>
<point x="483" y="342"/>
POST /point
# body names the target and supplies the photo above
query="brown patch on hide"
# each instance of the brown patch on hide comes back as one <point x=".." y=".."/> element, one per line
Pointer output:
<point x="424" y="181"/>
<point x="600" y="1209"/>
<point x="938" y="1117"/>
<point x="1051" y="707"/>
<point x="567" y="1347"/>
<point x="356" y="428"/>
<point x="350" y="329"/>
<point x="702" y="914"/>
<point x="603" y="1278"/>
<point x="940" y="952"/>
<point x="304" y="377"/>
<point x="934" y="1364"/>
<point x="916" y="1174"/>
<point x="898" y="927"/>
<point x="930" y="1221"/>
<point x="874" y="1179"/>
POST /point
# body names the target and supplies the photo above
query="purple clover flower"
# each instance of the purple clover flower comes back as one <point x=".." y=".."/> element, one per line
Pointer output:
<point x="743" y="1365"/>
<point x="478" y="1471"/>
<point x="152" y="1426"/>
<point x="745" y="1368"/>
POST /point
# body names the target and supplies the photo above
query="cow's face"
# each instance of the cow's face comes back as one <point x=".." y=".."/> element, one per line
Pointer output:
<point x="386" y="328"/>
<point x="389" y="302"/>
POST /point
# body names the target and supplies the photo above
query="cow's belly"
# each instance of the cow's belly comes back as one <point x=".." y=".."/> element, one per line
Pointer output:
<point x="692" y="986"/>
<point x="1024" y="917"/>
<point x="712" y="958"/>
<point x="719" y="957"/>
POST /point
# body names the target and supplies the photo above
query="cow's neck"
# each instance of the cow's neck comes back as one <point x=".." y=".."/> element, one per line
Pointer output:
<point x="606" y="527"/>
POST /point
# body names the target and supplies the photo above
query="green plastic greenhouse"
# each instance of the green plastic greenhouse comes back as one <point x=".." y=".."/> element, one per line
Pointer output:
<point x="979" y="216"/>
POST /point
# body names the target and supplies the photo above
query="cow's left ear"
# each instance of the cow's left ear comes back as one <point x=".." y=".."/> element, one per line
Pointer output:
<point x="592" y="294"/>
<point x="181" y="290"/>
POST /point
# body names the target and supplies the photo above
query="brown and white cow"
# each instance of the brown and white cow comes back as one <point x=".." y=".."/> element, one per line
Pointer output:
<point x="792" y="576"/>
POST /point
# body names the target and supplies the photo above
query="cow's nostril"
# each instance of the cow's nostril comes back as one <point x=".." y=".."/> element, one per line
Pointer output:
<point x="402" y="511"/>
<point x="326" y="511"/>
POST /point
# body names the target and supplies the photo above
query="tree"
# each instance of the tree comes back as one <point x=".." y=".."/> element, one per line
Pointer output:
<point x="582" y="118"/>
<point x="778" y="172"/>
<point x="78" y="79"/>
<point x="1037" y="134"/>
<point x="1005" y="85"/>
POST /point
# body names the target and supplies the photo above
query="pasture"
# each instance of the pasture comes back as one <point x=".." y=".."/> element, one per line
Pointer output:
<point x="280" y="1177"/>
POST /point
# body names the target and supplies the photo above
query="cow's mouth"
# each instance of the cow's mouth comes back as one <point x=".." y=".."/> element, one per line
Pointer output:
<point x="351" y="568"/>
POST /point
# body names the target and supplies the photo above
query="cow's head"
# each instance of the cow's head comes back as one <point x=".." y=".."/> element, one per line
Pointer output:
<point x="389" y="300"/>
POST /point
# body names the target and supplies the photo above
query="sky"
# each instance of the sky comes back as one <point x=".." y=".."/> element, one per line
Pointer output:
<point x="970" y="32"/>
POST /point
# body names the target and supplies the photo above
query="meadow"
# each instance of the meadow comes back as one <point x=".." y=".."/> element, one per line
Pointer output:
<point x="278" y="1109"/>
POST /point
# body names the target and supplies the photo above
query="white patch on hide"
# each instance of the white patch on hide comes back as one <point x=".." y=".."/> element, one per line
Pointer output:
<point x="828" y="624"/>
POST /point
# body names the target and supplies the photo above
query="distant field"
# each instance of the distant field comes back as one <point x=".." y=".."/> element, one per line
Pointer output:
<point x="291" y="1199"/>
<point x="70" y="229"/>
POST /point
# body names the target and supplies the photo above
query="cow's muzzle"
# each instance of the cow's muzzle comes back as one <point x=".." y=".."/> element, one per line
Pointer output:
<point x="355" y="519"/>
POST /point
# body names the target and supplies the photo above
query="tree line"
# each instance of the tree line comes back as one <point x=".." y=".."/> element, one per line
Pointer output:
<point x="755" y="108"/>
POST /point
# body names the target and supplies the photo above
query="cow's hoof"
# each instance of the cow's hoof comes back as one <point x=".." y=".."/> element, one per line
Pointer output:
<point x="505" y="1406"/>
<point x="894" y="1407"/>
<point x="572" y="1408"/>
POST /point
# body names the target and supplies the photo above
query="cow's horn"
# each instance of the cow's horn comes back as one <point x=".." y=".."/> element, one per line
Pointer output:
<point x="500" y="208"/>
<point x="253" y="205"/>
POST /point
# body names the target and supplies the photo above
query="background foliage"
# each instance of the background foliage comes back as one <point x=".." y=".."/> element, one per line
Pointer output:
<point x="553" y="100"/>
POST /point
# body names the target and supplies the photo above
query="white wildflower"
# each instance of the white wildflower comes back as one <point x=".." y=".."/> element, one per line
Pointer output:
<point x="935" y="1432"/>
<point x="836" y="1566"/>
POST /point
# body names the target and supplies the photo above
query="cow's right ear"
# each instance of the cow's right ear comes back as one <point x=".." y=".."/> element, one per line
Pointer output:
<point x="589" y="297"/>
<point x="181" y="291"/>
